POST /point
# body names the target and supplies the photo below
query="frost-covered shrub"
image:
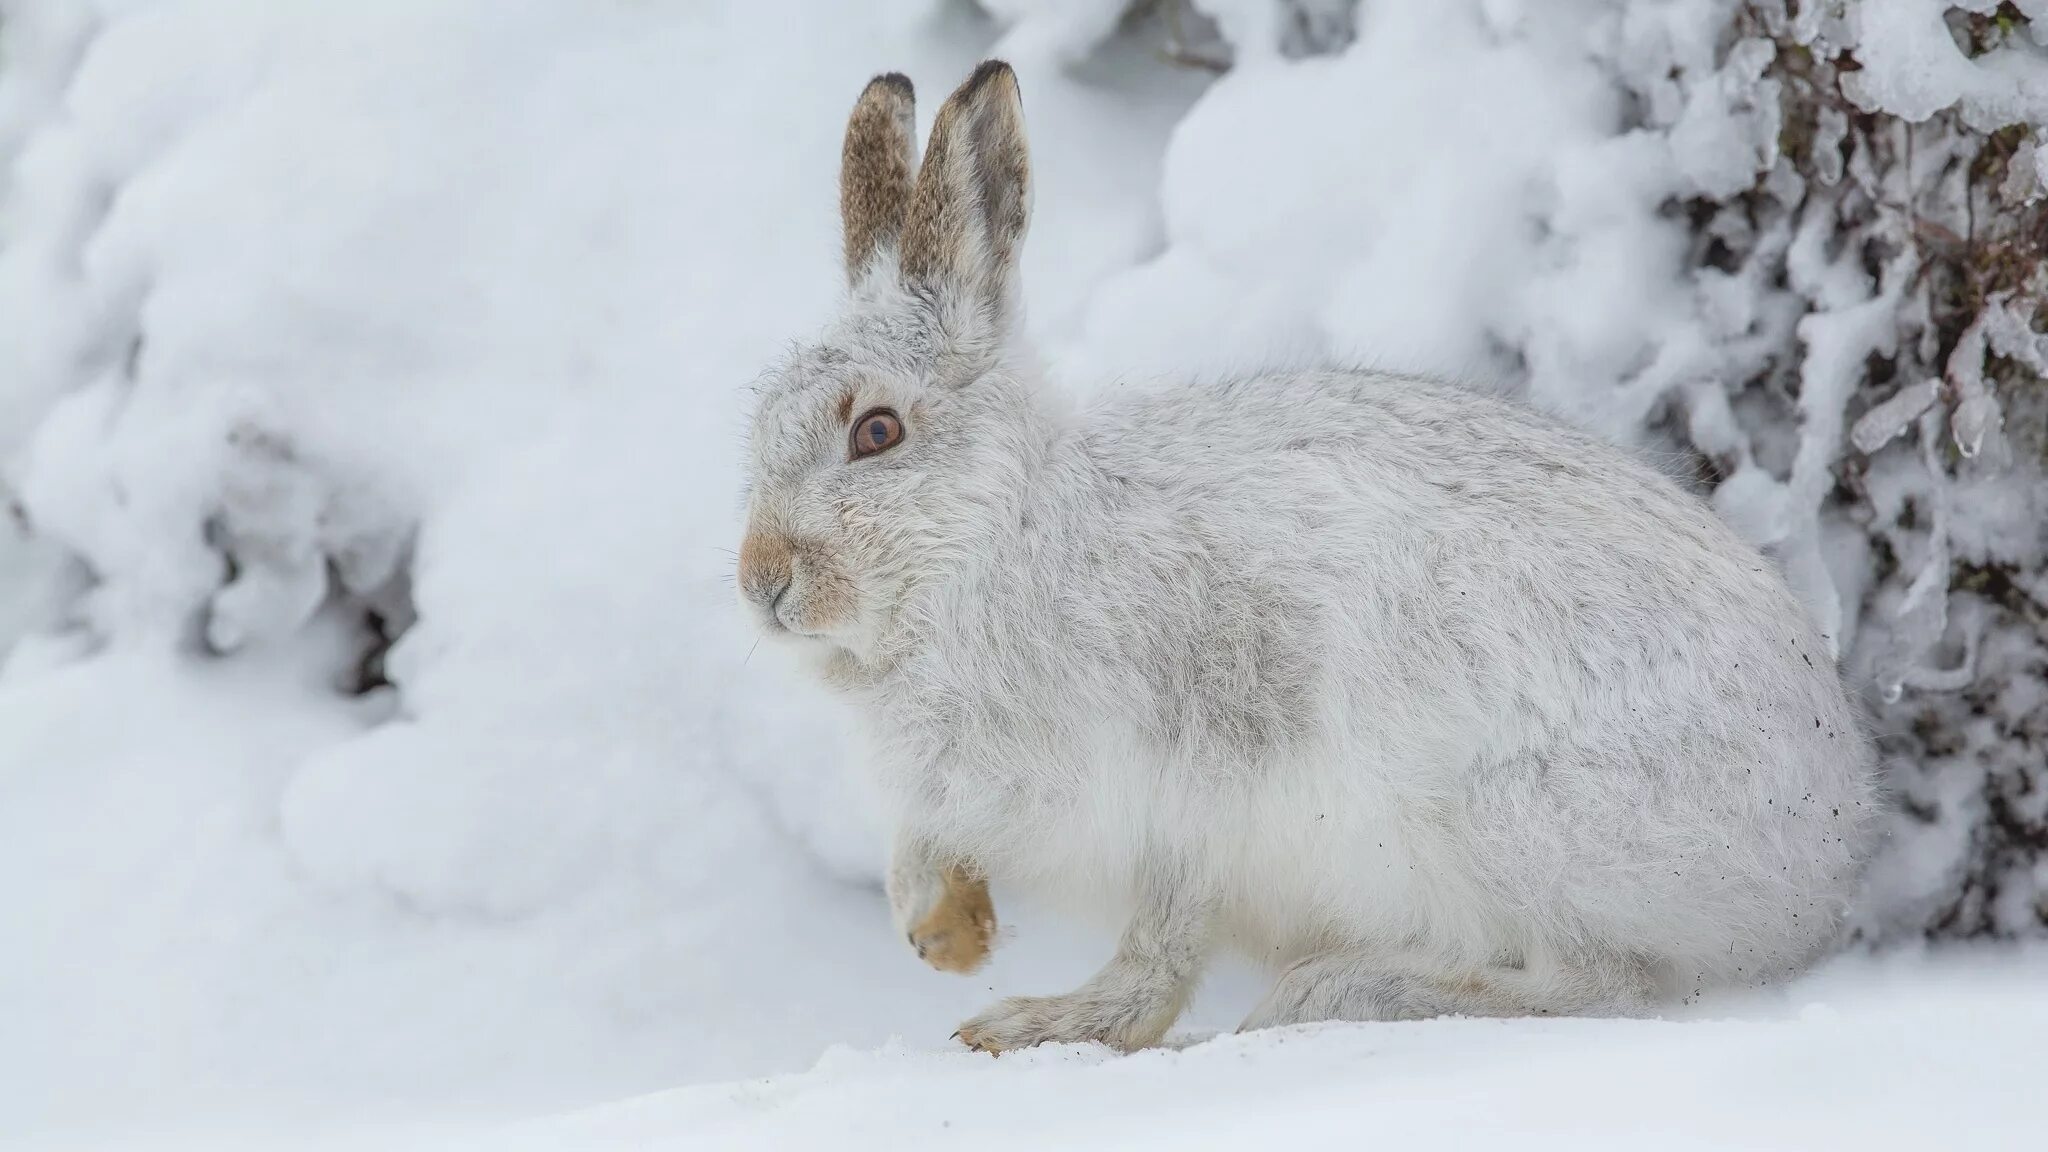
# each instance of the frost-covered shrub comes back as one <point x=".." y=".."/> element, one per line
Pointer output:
<point x="1804" y="257"/>
<point x="1870" y="263"/>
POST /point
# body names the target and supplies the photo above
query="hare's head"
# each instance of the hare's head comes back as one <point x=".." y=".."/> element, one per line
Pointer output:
<point x="894" y="448"/>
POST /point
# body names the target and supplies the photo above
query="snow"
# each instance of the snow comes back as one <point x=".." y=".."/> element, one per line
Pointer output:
<point x="479" y="288"/>
<point x="1890" y="420"/>
<point x="1913" y="67"/>
<point x="443" y="313"/>
<point x="1870" y="1069"/>
<point x="1901" y="1055"/>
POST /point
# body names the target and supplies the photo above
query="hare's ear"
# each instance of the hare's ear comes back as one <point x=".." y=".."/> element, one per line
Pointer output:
<point x="876" y="168"/>
<point x="973" y="196"/>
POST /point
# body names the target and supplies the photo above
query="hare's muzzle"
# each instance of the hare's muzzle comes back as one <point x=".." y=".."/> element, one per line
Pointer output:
<point x="765" y="572"/>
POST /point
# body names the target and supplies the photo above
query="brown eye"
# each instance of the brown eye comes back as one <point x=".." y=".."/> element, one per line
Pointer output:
<point x="876" y="431"/>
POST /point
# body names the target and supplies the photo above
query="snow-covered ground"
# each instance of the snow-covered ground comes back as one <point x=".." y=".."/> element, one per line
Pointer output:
<point x="445" y="311"/>
<point x="1901" y="1055"/>
<point x="1935" y="1062"/>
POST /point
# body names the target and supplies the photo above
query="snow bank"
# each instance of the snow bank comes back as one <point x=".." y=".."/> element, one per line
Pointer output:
<point x="1901" y="1056"/>
<point x="434" y="319"/>
<point x="1898" y="1065"/>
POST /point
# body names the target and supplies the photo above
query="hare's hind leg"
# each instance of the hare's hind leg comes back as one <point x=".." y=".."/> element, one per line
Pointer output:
<point x="1370" y="985"/>
<point x="1132" y="1001"/>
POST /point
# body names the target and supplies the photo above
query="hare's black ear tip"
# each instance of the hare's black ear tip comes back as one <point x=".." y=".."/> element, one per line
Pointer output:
<point x="895" y="82"/>
<point x="990" y="70"/>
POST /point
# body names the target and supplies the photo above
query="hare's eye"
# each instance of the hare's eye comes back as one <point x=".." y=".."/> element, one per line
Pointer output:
<point x="876" y="431"/>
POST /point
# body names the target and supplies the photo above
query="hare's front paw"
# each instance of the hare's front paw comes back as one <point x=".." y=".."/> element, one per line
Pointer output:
<point x="948" y="917"/>
<point x="1076" y="1018"/>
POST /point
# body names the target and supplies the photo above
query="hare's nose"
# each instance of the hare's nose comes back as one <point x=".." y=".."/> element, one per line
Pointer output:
<point x="769" y="594"/>
<point x="765" y="568"/>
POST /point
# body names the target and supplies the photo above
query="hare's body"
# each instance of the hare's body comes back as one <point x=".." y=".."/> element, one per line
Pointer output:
<point x="1428" y="700"/>
<point x="1386" y="664"/>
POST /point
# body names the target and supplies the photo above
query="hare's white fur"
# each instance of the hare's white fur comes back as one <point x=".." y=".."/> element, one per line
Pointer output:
<point x="1426" y="700"/>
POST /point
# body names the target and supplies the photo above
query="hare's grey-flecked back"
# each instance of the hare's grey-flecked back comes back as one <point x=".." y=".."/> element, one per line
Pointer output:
<point x="1357" y="665"/>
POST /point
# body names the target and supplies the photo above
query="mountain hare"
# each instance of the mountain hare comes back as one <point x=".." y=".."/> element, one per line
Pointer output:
<point x="1425" y="700"/>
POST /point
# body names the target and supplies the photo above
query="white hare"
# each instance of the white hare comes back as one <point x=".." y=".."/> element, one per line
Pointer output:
<point x="1429" y="702"/>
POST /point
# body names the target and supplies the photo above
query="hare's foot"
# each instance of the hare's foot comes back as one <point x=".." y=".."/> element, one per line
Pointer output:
<point x="958" y="931"/>
<point x="941" y="907"/>
<point x="1348" y="985"/>
<point x="1124" y="1007"/>
<point x="1133" y="1000"/>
